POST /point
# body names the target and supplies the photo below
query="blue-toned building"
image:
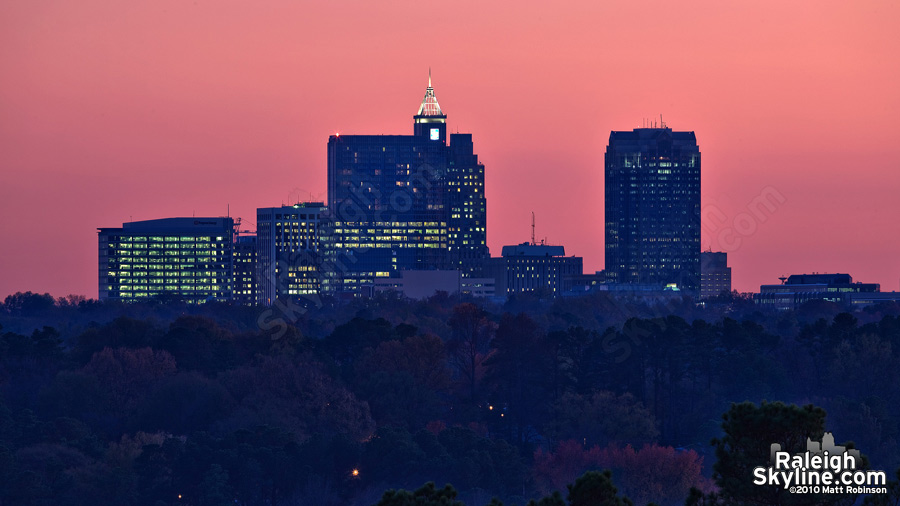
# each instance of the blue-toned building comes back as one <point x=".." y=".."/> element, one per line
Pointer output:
<point x="530" y="267"/>
<point x="245" y="279"/>
<point x="652" y="220"/>
<point x="289" y="242"/>
<point x="400" y="202"/>
<point x="797" y="289"/>
<point x="188" y="259"/>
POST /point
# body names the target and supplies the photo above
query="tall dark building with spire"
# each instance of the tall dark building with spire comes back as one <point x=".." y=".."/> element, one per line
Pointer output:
<point x="404" y="202"/>
<point x="653" y="208"/>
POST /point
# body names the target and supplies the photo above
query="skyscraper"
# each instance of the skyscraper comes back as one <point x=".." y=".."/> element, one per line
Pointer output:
<point x="245" y="284"/>
<point x="404" y="202"/>
<point x="653" y="208"/>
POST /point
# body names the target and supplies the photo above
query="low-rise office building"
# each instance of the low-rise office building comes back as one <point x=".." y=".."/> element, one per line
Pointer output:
<point x="715" y="275"/>
<point x="421" y="284"/>
<point x="797" y="289"/>
<point x="182" y="258"/>
<point x="528" y="267"/>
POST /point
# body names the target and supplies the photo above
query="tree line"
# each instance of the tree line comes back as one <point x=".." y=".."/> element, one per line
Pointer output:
<point x="167" y="403"/>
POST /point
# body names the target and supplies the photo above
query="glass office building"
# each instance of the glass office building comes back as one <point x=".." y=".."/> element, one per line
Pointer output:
<point x="400" y="202"/>
<point x="188" y="259"/>
<point x="652" y="179"/>
<point x="245" y="284"/>
<point x="289" y="247"/>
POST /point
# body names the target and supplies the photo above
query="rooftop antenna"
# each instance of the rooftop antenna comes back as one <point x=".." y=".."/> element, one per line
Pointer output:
<point x="662" y="124"/>
<point x="532" y="228"/>
<point x="783" y="278"/>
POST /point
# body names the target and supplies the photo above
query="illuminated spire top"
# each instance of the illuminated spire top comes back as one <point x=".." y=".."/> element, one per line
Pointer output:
<point x="430" y="106"/>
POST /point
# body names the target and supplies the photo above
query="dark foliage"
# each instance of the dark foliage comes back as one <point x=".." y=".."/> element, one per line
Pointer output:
<point x="141" y="403"/>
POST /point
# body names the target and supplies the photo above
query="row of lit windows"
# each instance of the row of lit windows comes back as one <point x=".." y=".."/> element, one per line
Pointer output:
<point x="387" y="232"/>
<point x="395" y="224"/>
<point x="171" y="287"/>
<point x="158" y="263"/>
<point x="166" y="274"/>
<point x="137" y="252"/>
<point x="138" y="238"/>
<point x="159" y="253"/>
<point x="390" y="245"/>
<point x="169" y="245"/>
<point x="394" y="238"/>
<point x="163" y="279"/>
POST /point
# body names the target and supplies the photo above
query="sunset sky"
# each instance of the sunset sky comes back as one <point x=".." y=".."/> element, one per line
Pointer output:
<point x="115" y="110"/>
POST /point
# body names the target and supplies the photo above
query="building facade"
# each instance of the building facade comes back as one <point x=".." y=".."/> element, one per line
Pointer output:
<point x="715" y="275"/>
<point x="289" y="251"/>
<point x="798" y="289"/>
<point x="188" y="259"/>
<point x="245" y="285"/>
<point x="529" y="267"/>
<point x="424" y="284"/>
<point x="396" y="202"/>
<point x="652" y="219"/>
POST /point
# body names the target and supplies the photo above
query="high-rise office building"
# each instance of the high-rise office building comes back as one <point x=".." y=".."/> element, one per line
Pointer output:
<point x="184" y="258"/>
<point x="404" y="202"/>
<point x="245" y="285"/>
<point x="653" y="208"/>
<point x="715" y="275"/>
<point x="289" y="251"/>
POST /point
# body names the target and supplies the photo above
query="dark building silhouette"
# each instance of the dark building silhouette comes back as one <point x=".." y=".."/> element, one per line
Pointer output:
<point x="188" y="259"/>
<point x="289" y="244"/>
<point x="797" y="289"/>
<point x="715" y="275"/>
<point x="528" y="267"/>
<point x="424" y="284"/>
<point x="574" y="285"/>
<point x="653" y="208"/>
<point x="404" y="202"/>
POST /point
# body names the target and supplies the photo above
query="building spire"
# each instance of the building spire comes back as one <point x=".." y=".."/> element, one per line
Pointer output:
<point x="430" y="106"/>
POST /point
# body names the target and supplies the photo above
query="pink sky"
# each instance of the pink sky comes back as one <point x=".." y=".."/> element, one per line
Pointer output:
<point x="113" y="110"/>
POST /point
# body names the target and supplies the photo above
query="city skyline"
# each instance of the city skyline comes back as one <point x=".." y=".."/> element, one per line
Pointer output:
<point x="152" y="112"/>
